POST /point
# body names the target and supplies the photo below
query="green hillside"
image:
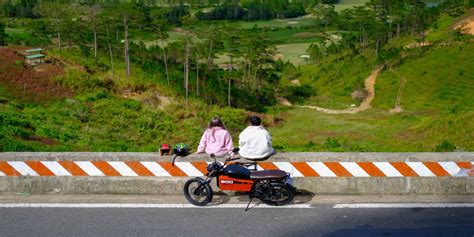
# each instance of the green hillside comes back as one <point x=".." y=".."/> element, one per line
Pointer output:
<point x="437" y="103"/>
<point x="184" y="70"/>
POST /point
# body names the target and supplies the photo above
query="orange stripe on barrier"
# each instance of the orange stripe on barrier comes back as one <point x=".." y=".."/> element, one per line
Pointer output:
<point x="72" y="168"/>
<point x="107" y="169"/>
<point x="39" y="168"/>
<point x="404" y="169"/>
<point x="305" y="169"/>
<point x="436" y="169"/>
<point x="201" y="166"/>
<point x="371" y="169"/>
<point x="338" y="169"/>
<point x="8" y="170"/>
<point x="138" y="168"/>
<point x="268" y="166"/>
<point x="465" y="165"/>
<point x="172" y="170"/>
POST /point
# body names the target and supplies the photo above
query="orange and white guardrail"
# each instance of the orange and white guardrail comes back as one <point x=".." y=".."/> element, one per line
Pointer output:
<point x="184" y="169"/>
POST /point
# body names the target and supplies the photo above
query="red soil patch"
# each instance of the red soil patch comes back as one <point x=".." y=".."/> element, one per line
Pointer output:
<point x="44" y="140"/>
<point x="29" y="83"/>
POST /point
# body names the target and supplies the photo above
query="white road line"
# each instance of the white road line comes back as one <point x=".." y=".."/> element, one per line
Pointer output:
<point x="139" y="205"/>
<point x="405" y="205"/>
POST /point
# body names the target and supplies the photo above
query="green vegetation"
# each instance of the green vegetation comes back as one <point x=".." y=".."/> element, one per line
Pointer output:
<point x="128" y="76"/>
<point x="437" y="105"/>
<point x="103" y="122"/>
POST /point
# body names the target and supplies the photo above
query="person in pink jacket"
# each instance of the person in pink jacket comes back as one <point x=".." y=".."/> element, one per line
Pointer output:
<point x="216" y="139"/>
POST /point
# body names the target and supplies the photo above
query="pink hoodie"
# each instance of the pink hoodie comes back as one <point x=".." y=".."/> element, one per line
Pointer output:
<point x="216" y="141"/>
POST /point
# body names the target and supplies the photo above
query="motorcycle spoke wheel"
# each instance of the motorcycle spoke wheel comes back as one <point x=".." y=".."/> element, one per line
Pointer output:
<point x="278" y="194"/>
<point x="197" y="192"/>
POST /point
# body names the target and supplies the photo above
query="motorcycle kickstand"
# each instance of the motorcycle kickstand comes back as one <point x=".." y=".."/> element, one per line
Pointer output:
<point x="250" y="201"/>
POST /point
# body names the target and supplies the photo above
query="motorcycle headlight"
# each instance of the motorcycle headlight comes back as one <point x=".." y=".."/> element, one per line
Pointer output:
<point x="209" y="167"/>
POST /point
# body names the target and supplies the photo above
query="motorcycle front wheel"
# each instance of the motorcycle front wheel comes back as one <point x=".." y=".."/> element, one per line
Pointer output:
<point x="197" y="192"/>
<point x="278" y="194"/>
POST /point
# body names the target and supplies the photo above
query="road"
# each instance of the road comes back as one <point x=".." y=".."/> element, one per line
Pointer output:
<point x="311" y="219"/>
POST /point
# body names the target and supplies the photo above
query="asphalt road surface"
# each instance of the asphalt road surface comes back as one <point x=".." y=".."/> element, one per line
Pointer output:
<point x="310" y="220"/>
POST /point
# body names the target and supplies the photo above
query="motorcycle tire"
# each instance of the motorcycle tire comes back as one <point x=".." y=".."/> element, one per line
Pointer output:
<point x="197" y="197"/>
<point x="282" y="194"/>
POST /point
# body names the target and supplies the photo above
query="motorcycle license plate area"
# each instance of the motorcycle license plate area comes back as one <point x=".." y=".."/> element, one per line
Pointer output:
<point x="231" y="184"/>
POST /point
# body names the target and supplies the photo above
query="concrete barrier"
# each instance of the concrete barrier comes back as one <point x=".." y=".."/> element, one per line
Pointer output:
<point x="320" y="173"/>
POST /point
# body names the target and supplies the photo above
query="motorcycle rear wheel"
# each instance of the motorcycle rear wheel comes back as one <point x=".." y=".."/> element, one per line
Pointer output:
<point x="197" y="192"/>
<point x="281" y="194"/>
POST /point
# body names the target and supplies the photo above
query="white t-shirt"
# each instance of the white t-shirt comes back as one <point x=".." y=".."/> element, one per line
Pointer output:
<point x="255" y="142"/>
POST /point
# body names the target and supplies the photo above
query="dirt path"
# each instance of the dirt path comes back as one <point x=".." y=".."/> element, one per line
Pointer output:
<point x="369" y="86"/>
<point x="466" y="24"/>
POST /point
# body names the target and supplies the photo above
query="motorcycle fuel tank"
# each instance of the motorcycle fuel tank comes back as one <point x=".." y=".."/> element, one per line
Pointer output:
<point x="233" y="184"/>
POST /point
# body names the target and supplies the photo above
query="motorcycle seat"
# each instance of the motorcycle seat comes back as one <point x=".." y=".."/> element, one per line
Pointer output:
<point x="268" y="174"/>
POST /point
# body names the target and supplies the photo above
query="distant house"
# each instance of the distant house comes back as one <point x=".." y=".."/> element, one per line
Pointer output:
<point x="34" y="56"/>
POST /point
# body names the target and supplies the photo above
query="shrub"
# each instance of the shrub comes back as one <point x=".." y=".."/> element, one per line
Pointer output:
<point x="297" y="94"/>
<point x="445" y="146"/>
<point x="332" y="143"/>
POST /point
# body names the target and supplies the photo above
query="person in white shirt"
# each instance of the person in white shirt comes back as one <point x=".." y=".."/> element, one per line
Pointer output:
<point x="255" y="142"/>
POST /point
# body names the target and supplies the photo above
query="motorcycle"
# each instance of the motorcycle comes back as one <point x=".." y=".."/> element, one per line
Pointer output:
<point x="272" y="187"/>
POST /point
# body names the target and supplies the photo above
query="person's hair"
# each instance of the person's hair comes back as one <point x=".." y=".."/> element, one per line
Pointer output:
<point x="255" y="121"/>
<point x="216" y="122"/>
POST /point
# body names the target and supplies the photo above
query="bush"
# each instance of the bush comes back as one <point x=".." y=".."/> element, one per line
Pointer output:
<point x="445" y="146"/>
<point x="296" y="94"/>
<point x="332" y="143"/>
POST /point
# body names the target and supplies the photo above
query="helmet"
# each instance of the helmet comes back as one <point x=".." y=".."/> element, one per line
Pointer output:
<point x="165" y="148"/>
<point x="181" y="149"/>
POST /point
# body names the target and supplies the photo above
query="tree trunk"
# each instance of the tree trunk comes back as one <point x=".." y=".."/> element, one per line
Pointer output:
<point x="165" y="59"/>
<point x="377" y="45"/>
<point x="254" y="83"/>
<point x="244" y="74"/>
<point x="197" y="74"/>
<point x="95" y="43"/>
<point x="127" y="58"/>
<point x="59" y="34"/>
<point x="230" y="78"/>
<point x="209" y="57"/>
<point x="398" y="30"/>
<point x="110" y="50"/>
<point x="186" y="72"/>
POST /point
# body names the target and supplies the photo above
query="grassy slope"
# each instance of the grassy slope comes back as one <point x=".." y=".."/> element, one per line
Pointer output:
<point x="437" y="100"/>
<point x="96" y="120"/>
<point x="334" y="80"/>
